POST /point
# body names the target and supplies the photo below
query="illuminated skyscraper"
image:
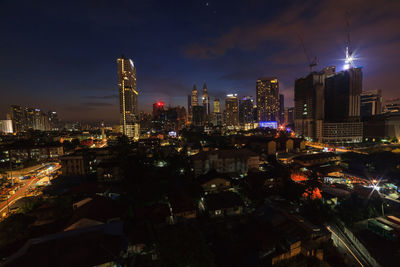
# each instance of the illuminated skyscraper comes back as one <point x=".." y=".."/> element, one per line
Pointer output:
<point x="128" y="95"/>
<point x="6" y="127"/>
<point x="216" y="114"/>
<point x="232" y="110"/>
<point x="267" y="99"/>
<point x="17" y="117"/>
<point x="206" y="100"/>
<point x="246" y="110"/>
<point x="195" y="97"/>
<point x="217" y="106"/>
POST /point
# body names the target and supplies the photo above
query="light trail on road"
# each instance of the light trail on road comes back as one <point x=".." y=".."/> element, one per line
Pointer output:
<point x="341" y="240"/>
<point x="13" y="199"/>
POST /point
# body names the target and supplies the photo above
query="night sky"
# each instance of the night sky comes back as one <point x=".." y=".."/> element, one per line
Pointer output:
<point x="61" y="55"/>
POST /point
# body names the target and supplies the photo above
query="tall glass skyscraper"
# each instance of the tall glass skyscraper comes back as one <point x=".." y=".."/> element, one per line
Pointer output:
<point x="128" y="95"/>
<point x="267" y="99"/>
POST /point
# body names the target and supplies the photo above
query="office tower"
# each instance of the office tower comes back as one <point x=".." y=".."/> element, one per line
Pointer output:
<point x="128" y="95"/>
<point x="17" y="117"/>
<point x="216" y="119"/>
<point x="371" y="103"/>
<point x="281" y="114"/>
<point x="232" y="110"/>
<point x="53" y="120"/>
<point x="159" y="114"/>
<point x="189" y="109"/>
<point x="289" y="116"/>
<point x="175" y="118"/>
<point x="195" y="98"/>
<point x="246" y="110"/>
<point x="392" y="105"/>
<point x="205" y="100"/>
<point x="198" y="115"/>
<point x="309" y="102"/>
<point x="267" y="99"/>
<point x="6" y="126"/>
<point x="217" y="106"/>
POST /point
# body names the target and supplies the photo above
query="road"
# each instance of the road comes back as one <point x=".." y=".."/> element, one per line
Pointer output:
<point x="25" y="185"/>
<point x="337" y="149"/>
<point x="19" y="194"/>
<point x="354" y="253"/>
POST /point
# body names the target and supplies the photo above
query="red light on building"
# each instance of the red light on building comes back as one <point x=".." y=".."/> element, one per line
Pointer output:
<point x="160" y="104"/>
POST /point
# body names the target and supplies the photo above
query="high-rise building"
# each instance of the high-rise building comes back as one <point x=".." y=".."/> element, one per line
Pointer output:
<point x="217" y="106"/>
<point x="198" y="115"/>
<point x="18" y="118"/>
<point x="342" y="96"/>
<point x="53" y="120"/>
<point x="267" y="99"/>
<point x="189" y="109"/>
<point x="309" y="102"/>
<point x="342" y="122"/>
<point x="128" y="95"/>
<point x="281" y="115"/>
<point x="392" y="105"/>
<point x="6" y="126"/>
<point x="195" y="97"/>
<point x="175" y="118"/>
<point x="371" y="103"/>
<point x="159" y="114"/>
<point x="216" y="118"/>
<point x="246" y="110"/>
<point x="289" y="116"/>
<point x="232" y="110"/>
<point x="205" y="100"/>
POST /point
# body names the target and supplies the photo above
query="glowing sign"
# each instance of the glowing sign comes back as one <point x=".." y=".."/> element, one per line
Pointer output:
<point x="172" y="134"/>
<point x="268" y="124"/>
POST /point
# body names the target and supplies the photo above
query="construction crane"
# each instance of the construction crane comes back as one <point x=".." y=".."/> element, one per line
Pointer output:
<point x="311" y="62"/>
<point x="348" y="62"/>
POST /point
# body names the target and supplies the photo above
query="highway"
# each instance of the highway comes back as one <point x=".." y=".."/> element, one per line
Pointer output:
<point x="337" y="149"/>
<point x="354" y="253"/>
<point x="19" y="194"/>
<point x="22" y="186"/>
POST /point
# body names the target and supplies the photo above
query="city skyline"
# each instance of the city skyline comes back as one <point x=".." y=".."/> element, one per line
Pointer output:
<point x="72" y="70"/>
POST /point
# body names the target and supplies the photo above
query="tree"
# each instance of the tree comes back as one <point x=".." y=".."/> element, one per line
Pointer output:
<point x="15" y="228"/>
<point x="184" y="246"/>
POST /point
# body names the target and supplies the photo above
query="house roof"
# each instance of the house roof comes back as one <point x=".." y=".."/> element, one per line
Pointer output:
<point x="211" y="175"/>
<point x="181" y="202"/>
<point x="156" y="213"/>
<point x="223" y="200"/>
<point x="99" y="209"/>
<point x="228" y="153"/>
<point x="81" y="247"/>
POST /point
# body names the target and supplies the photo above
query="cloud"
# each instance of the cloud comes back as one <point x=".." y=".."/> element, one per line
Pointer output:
<point x="320" y="23"/>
